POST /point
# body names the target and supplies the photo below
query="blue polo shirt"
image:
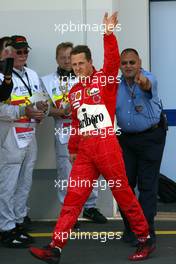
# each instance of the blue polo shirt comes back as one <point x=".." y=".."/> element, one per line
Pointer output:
<point x="137" y="110"/>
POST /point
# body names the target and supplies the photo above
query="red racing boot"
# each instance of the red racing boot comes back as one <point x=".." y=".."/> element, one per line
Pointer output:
<point x="144" y="249"/>
<point x="47" y="254"/>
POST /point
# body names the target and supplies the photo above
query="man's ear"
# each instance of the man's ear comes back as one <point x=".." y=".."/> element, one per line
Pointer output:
<point x="91" y="61"/>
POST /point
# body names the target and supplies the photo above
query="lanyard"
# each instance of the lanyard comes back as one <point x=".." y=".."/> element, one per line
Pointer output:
<point x="27" y="86"/>
<point x="132" y="90"/>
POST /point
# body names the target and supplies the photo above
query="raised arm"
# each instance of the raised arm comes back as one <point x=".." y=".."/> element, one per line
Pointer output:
<point x="111" y="51"/>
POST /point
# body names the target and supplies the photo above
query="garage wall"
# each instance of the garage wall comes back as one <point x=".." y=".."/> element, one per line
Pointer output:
<point x="163" y="57"/>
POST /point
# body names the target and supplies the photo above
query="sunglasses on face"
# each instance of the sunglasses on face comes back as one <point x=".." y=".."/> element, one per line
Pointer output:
<point x="22" y="52"/>
<point x="128" y="62"/>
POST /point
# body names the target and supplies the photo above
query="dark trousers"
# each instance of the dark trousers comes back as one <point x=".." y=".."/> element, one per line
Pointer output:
<point x="142" y="154"/>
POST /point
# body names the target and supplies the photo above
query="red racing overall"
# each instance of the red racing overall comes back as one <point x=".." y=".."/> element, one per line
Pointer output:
<point x="98" y="151"/>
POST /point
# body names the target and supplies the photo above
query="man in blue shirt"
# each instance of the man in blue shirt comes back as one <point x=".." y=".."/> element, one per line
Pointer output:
<point x="139" y="115"/>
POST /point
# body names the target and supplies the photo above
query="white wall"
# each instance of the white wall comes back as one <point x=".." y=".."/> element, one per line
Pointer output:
<point x="163" y="61"/>
<point x="134" y="16"/>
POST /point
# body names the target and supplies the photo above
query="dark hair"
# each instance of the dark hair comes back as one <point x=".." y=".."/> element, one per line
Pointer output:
<point x="63" y="45"/>
<point x="82" y="49"/>
<point x="2" y="41"/>
<point x="129" y="50"/>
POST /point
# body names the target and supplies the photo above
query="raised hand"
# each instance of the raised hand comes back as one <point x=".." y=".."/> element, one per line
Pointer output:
<point x="142" y="81"/>
<point x="8" y="52"/>
<point x="110" y="22"/>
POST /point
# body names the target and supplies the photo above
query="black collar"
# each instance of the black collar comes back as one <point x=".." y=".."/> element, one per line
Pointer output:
<point x="64" y="74"/>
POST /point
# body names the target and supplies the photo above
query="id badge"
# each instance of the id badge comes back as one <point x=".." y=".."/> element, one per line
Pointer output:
<point x="23" y="139"/>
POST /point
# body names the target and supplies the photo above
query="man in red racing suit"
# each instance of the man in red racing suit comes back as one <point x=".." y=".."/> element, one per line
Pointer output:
<point x="95" y="150"/>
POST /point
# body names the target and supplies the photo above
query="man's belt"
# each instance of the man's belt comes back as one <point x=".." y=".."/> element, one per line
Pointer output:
<point x="151" y="129"/>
